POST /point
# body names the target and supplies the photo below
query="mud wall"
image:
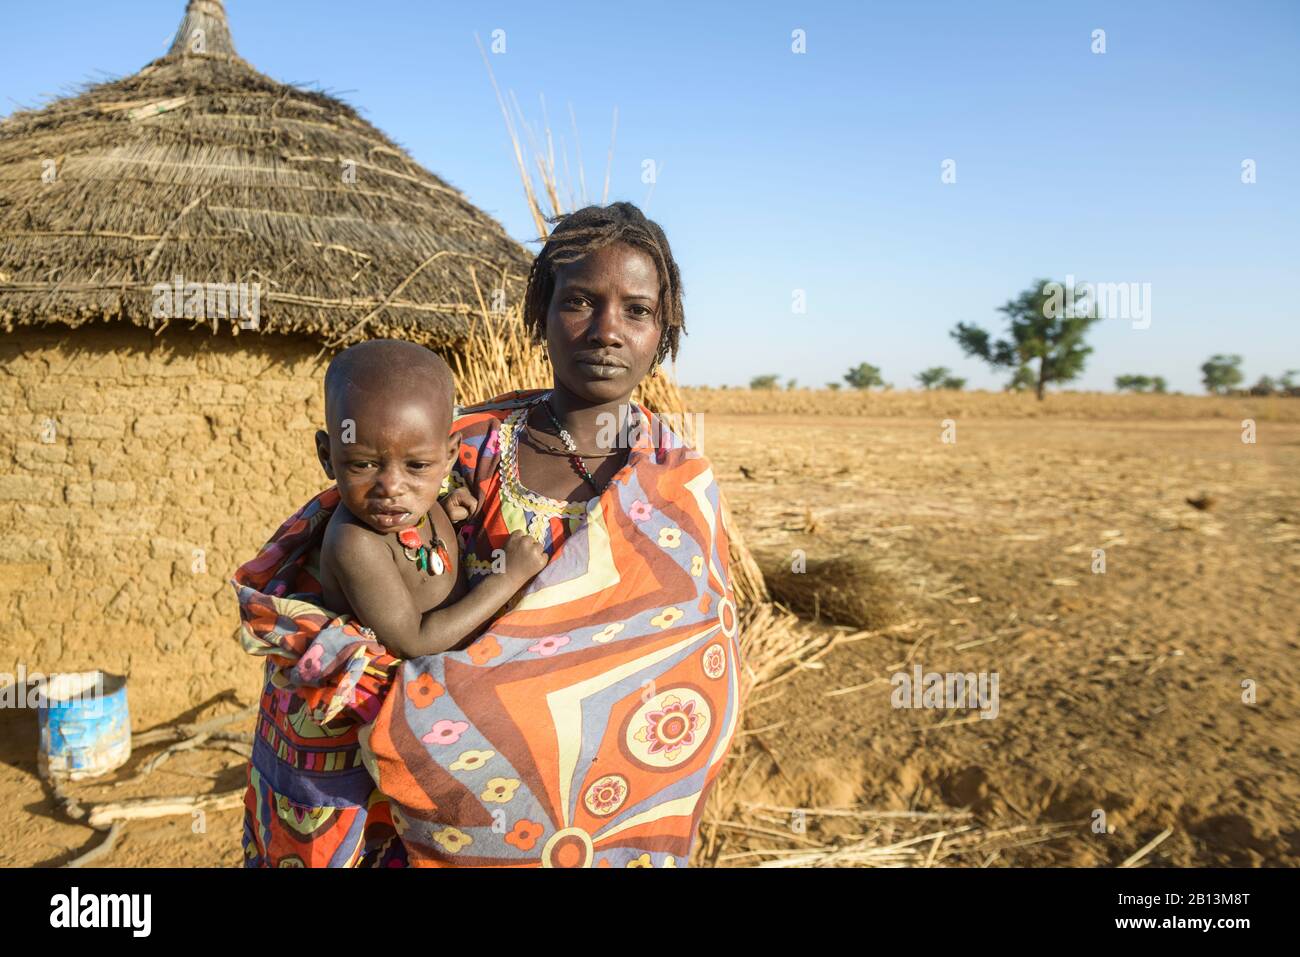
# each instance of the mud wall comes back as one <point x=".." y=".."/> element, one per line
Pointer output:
<point x="136" y="472"/>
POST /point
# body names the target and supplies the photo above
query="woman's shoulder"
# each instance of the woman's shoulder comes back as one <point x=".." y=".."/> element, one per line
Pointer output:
<point x="483" y="417"/>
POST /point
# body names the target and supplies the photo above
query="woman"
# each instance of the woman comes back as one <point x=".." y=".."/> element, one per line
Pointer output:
<point x="585" y="726"/>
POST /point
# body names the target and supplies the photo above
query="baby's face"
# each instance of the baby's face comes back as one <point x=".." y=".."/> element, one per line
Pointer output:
<point x="389" y="455"/>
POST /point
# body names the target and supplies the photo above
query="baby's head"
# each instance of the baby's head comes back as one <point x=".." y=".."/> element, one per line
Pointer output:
<point x="388" y="408"/>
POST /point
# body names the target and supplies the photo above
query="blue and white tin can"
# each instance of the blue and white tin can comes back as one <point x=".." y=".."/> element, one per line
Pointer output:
<point x="85" y="727"/>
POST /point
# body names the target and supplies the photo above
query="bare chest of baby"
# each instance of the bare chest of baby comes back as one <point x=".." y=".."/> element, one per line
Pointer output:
<point x="429" y="571"/>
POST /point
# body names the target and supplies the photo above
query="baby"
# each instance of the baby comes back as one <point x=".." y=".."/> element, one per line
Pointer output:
<point x="389" y="556"/>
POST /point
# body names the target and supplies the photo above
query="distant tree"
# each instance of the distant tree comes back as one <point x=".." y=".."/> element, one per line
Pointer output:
<point x="1288" y="379"/>
<point x="863" y="376"/>
<point x="1046" y="324"/>
<point x="790" y="384"/>
<point x="1265" y="386"/>
<point x="1140" y="383"/>
<point x="953" y="383"/>
<point x="931" y="378"/>
<point x="833" y="386"/>
<point x="1221" y="373"/>
<point x="764" y="381"/>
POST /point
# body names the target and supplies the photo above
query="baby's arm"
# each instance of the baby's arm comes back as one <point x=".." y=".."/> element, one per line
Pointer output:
<point x="444" y="628"/>
<point x="364" y="569"/>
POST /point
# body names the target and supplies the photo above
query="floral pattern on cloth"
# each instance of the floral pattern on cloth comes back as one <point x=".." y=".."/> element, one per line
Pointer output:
<point x="310" y="802"/>
<point x="585" y="726"/>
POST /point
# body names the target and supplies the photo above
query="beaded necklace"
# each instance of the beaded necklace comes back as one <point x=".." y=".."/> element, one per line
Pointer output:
<point x="575" y="459"/>
<point x="513" y="488"/>
<point x="432" y="558"/>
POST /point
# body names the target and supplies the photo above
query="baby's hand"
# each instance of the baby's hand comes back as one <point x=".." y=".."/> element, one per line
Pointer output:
<point x="459" y="505"/>
<point x="524" y="557"/>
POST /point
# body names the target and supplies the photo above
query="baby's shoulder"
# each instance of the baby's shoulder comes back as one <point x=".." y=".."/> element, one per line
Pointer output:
<point x="348" y="542"/>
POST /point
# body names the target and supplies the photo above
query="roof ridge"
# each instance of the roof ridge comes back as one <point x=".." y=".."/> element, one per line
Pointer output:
<point x="204" y="31"/>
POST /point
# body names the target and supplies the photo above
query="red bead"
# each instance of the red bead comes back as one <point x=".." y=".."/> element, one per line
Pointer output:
<point x="410" y="538"/>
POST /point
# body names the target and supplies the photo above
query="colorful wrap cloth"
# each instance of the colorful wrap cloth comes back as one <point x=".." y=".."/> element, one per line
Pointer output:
<point x="310" y="802"/>
<point x="584" y="727"/>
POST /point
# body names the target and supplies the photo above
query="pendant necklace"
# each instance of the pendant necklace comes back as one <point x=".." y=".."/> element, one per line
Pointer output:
<point x="432" y="558"/>
<point x="574" y="458"/>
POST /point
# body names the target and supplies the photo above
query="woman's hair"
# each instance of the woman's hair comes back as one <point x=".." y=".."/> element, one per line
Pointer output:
<point x="595" y="227"/>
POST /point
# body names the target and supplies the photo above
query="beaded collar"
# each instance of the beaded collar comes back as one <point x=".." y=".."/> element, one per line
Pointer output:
<point x="513" y="488"/>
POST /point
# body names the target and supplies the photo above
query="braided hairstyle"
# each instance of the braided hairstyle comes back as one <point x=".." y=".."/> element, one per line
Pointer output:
<point x="595" y="227"/>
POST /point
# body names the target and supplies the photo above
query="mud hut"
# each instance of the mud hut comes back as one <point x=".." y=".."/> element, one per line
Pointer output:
<point x="180" y="251"/>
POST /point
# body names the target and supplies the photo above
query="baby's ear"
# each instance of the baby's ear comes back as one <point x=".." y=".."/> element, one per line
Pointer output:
<point x="453" y="445"/>
<point x="323" y="452"/>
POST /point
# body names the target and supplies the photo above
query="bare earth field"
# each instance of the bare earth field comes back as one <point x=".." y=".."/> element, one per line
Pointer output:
<point x="1119" y="692"/>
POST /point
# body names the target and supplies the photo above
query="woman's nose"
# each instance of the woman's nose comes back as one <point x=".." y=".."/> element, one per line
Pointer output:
<point x="605" y="327"/>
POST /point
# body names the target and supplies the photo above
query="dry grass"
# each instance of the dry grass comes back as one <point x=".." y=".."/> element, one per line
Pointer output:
<point x="847" y="589"/>
<point x="766" y="835"/>
<point x="987" y="405"/>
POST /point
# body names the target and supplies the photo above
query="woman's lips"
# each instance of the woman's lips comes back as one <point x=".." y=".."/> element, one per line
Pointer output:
<point x="601" y="370"/>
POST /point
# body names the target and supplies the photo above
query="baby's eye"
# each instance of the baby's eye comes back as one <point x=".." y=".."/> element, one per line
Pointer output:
<point x="360" y="466"/>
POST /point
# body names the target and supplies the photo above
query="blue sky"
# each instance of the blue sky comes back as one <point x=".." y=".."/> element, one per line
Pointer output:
<point x="822" y="171"/>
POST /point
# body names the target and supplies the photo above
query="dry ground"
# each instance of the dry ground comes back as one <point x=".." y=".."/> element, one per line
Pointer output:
<point x="1120" y="692"/>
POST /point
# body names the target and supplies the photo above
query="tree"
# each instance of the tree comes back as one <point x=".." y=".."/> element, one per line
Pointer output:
<point x="763" y="381"/>
<point x="1046" y="324"/>
<point x="833" y="386"/>
<point x="931" y="377"/>
<point x="863" y="376"/>
<point x="1221" y="373"/>
<point x="1265" y="386"/>
<point x="791" y="384"/>
<point x="1140" y="383"/>
<point x="939" y="377"/>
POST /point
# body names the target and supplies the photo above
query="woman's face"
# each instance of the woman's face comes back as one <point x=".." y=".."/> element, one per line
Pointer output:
<point x="603" y="325"/>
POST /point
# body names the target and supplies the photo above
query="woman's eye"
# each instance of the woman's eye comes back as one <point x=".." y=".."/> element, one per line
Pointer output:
<point x="418" y="466"/>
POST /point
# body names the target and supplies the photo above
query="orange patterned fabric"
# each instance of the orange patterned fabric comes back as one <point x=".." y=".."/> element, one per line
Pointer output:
<point x="586" y="725"/>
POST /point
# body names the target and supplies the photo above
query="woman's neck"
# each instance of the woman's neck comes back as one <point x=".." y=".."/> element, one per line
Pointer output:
<point x="588" y="423"/>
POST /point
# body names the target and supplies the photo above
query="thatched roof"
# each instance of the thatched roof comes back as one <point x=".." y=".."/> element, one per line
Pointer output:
<point x="199" y="166"/>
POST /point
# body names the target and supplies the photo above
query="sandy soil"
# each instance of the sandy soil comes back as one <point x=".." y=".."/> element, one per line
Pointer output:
<point x="1119" y="692"/>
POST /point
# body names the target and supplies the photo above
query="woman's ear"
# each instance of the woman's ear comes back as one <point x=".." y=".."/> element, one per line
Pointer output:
<point x="323" y="453"/>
